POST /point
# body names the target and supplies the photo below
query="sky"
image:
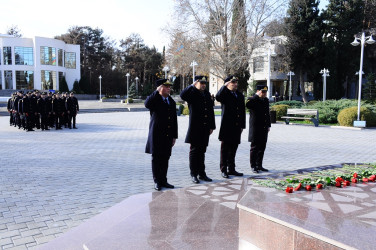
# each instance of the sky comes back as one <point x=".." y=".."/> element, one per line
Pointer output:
<point x="117" y="18"/>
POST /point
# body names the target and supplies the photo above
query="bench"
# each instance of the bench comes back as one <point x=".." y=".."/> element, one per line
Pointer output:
<point x="301" y="114"/>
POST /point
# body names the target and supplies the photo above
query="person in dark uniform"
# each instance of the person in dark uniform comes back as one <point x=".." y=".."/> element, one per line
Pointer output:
<point x="232" y="124"/>
<point x="10" y="109"/>
<point x="16" y="114"/>
<point x="73" y="110"/>
<point x="163" y="131"/>
<point x="51" y="117"/>
<point x="259" y="127"/>
<point x="58" y="109"/>
<point x="44" y="109"/>
<point x="201" y="125"/>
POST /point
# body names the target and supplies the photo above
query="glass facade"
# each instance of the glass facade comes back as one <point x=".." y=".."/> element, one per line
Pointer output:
<point x="24" y="79"/>
<point x="7" y="54"/>
<point x="60" y="57"/>
<point x="61" y="75"/>
<point x="8" y="77"/>
<point x="1" y="80"/>
<point x="24" y="55"/>
<point x="70" y="60"/>
<point x="47" y="56"/>
<point x="48" y="79"/>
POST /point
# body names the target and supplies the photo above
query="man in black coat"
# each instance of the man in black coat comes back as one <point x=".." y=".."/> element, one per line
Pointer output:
<point x="232" y="124"/>
<point x="259" y="127"/>
<point x="201" y="125"/>
<point x="58" y="109"/>
<point x="71" y="105"/>
<point x="44" y="109"/>
<point x="163" y="131"/>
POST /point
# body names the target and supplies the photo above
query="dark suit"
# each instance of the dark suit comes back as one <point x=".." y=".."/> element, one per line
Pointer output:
<point x="58" y="107"/>
<point x="163" y="128"/>
<point x="232" y="124"/>
<point x="201" y="121"/>
<point x="259" y="124"/>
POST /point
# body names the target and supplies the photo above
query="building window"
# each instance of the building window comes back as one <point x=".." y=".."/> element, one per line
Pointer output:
<point x="61" y="75"/>
<point x="258" y="64"/>
<point x="70" y="60"/>
<point x="24" y="55"/>
<point x="1" y="80"/>
<point x="7" y="53"/>
<point x="0" y="56"/>
<point x="48" y="79"/>
<point x="60" y="57"/>
<point x="24" y="79"/>
<point x="47" y="56"/>
<point x="8" y="79"/>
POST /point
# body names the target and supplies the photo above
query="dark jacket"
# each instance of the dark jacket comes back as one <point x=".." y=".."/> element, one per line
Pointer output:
<point x="72" y="104"/>
<point x="201" y="115"/>
<point x="259" y="117"/>
<point x="233" y="115"/>
<point x="43" y="107"/>
<point x="163" y="125"/>
<point x="58" y="105"/>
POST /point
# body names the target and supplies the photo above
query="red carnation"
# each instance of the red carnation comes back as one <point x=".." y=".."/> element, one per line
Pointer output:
<point x="354" y="180"/>
<point x="289" y="190"/>
<point x="365" y="179"/>
<point x="298" y="187"/>
<point x="339" y="179"/>
<point x="346" y="183"/>
<point x="338" y="184"/>
<point x="308" y="188"/>
<point x="372" y="178"/>
<point x="319" y="186"/>
<point x="355" y="175"/>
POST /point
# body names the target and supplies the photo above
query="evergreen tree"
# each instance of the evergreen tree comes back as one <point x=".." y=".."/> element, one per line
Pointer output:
<point x="76" y="87"/>
<point x="369" y="89"/>
<point x="132" y="91"/>
<point x="63" y="86"/>
<point x="303" y="26"/>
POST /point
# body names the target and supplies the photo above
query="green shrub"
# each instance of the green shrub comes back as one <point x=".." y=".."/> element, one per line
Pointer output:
<point x="313" y="102"/>
<point x="291" y="104"/>
<point x="281" y="110"/>
<point x="328" y="110"/>
<point x="186" y="110"/>
<point x="347" y="116"/>
<point x="130" y="100"/>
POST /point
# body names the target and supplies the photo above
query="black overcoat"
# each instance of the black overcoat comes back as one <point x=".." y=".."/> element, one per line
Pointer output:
<point x="259" y="118"/>
<point x="201" y="115"/>
<point x="233" y="115"/>
<point x="163" y="127"/>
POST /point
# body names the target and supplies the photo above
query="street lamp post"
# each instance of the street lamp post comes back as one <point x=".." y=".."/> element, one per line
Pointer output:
<point x="290" y="89"/>
<point x="325" y="73"/>
<point x="127" y="75"/>
<point x="356" y="42"/>
<point x="165" y="69"/>
<point x="100" y="88"/>
<point x="193" y="64"/>
<point x="270" y="87"/>
<point x="136" y="84"/>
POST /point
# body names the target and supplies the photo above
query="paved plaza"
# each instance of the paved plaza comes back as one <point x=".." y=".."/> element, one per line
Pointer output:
<point x="52" y="181"/>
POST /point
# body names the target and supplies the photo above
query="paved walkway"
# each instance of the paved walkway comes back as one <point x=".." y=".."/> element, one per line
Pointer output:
<point x="54" y="180"/>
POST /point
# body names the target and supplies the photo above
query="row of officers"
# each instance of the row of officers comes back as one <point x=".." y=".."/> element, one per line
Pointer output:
<point x="163" y="127"/>
<point x="42" y="110"/>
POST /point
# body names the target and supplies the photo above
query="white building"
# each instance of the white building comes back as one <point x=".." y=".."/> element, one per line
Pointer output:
<point x="37" y="63"/>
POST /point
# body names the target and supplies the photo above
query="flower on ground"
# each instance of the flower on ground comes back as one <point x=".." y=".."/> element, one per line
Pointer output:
<point x="339" y="179"/>
<point x="319" y="186"/>
<point x="365" y="179"/>
<point x="289" y="190"/>
<point x="355" y="175"/>
<point x="308" y="188"/>
<point x="338" y="184"/>
<point x="372" y="178"/>
<point x="354" y="180"/>
<point x="298" y="187"/>
<point x="346" y="183"/>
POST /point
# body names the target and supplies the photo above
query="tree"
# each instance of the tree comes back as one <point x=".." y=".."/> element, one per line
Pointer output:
<point x="225" y="31"/>
<point x="132" y="91"/>
<point x="76" y="87"/>
<point x="369" y="91"/>
<point x="304" y="36"/>
<point x="14" y="31"/>
<point x="63" y="86"/>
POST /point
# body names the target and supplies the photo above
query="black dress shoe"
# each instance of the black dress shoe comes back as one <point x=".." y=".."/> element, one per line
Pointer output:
<point x="254" y="170"/>
<point x="168" y="185"/>
<point x="205" y="178"/>
<point x="225" y="175"/>
<point x="195" y="180"/>
<point x="234" y="172"/>
<point x="157" y="187"/>
<point x="263" y="169"/>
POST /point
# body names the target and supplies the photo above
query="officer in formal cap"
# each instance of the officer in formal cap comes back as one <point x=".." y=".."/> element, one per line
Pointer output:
<point x="232" y="124"/>
<point x="163" y="131"/>
<point x="259" y="127"/>
<point x="201" y="125"/>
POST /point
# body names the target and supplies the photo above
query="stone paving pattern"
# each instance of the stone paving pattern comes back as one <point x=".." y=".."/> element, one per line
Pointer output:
<point x="54" y="180"/>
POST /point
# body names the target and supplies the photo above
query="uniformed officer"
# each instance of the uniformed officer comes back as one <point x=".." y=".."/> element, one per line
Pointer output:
<point x="44" y="109"/>
<point x="201" y="125"/>
<point x="163" y="131"/>
<point x="72" y="102"/>
<point x="259" y="127"/>
<point x="10" y="109"/>
<point x="232" y="124"/>
<point x="58" y="109"/>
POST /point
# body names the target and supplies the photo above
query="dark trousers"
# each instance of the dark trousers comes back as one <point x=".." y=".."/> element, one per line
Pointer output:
<point x="59" y="120"/>
<point x="228" y="153"/>
<point x="159" y="166"/>
<point x="44" y="121"/>
<point x="257" y="152"/>
<point x="72" y="117"/>
<point x="11" y="122"/>
<point x="197" y="160"/>
<point x="37" y="121"/>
